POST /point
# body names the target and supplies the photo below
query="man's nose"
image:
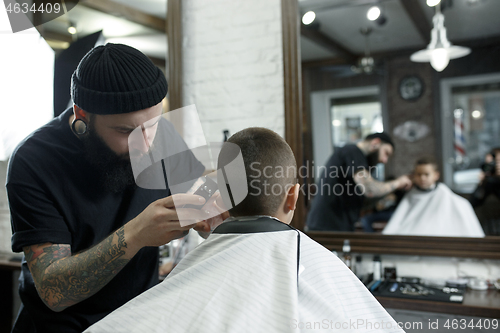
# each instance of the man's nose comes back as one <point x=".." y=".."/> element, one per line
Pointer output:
<point x="142" y="141"/>
<point x="139" y="144"/>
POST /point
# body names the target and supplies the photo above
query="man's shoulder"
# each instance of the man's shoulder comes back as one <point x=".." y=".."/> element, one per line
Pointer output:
<point x="34" y="143"/>
<point x="349" y="154"/>
<point x="350" y="149"/>
<point x="39" y="148"/>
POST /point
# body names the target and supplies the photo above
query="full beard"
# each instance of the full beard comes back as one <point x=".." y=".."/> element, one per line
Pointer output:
<point x="114" y="170"/>
<point x="372" y="158"/>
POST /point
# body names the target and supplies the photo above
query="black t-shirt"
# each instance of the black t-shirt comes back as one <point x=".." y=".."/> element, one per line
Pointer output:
<point x="338" y="200"/>
<point x="56" y="196"/>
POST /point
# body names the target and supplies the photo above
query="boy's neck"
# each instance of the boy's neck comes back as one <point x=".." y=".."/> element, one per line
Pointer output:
<point x="429" y="189"/>
<point x="251" y="218"/>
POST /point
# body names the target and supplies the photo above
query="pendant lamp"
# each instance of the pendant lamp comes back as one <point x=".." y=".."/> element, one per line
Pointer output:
<point x="440" y="51"/>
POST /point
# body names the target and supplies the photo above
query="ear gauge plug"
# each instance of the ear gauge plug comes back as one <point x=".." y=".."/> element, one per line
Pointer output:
<point x="79" y="126"/>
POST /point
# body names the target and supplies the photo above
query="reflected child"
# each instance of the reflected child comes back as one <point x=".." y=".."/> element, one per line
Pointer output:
<point x="432" y="209"/>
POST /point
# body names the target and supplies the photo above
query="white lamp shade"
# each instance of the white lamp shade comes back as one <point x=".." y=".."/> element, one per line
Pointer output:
<point x="439" y="52"/>
<point x="439" y="59"/>
<point x="432" y="3"/>
<point x="437" y="55"/>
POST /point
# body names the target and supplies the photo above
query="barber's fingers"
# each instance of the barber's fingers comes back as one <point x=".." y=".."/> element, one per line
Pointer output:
<point x="217" y="220"/>
<point x="190" y="215"/>
<point x="199" y="226"/>
<point x="219" y="203"/>
<point x="215" y="204"/>
<point x="202" y="226"/>
<point x="176" y="234"/>
<point x="182" y="199"/>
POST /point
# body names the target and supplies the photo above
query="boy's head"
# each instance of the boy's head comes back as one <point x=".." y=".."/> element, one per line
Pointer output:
<point x="270" y="170"/>
<point x="426" y="173"/>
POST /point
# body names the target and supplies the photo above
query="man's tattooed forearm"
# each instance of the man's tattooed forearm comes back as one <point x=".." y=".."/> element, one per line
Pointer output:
<point x="67" y="281"/>
<point x="378" y="189"/>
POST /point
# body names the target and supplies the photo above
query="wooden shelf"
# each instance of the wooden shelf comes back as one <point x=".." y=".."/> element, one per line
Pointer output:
<point x="462" y="247"/>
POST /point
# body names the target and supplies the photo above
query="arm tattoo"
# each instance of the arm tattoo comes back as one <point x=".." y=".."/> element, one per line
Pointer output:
<point x="374" y="188"/>
<point x="63" y="279"/>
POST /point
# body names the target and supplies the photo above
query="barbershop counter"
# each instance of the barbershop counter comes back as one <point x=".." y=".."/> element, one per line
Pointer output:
<point x="484" y="303"/>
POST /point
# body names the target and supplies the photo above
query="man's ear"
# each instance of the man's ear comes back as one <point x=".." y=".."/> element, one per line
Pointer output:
<point x="79" y="113"/>
<point x="292" y="196"/>
<point x="375" y="144"/>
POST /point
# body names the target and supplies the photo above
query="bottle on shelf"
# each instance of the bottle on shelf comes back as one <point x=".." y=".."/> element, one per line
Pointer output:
<point x="358" y="266"/>
<point x="346" y="249"/>
<point x="377" y="268"/>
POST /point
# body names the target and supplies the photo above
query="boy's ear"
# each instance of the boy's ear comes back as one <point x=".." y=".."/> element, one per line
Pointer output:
<point x="292" y="196"/>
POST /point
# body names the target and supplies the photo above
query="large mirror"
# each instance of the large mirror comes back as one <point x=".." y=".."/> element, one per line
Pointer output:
<point x="357" y="78"/>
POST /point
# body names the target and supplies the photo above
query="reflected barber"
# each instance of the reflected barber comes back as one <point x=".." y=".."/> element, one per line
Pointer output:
<point x="336" y="210"/>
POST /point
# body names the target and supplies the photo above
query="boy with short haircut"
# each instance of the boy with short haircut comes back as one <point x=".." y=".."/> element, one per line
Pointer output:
<point x="255" y="273"/>
<point x="432" y="209"/>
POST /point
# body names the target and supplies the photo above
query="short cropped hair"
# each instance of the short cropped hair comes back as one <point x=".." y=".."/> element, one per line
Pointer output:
<point x="425" y="160"/>
<point x="495" y="151"/>
<point x="384" y="137"/>
<point x="270" y="168"/>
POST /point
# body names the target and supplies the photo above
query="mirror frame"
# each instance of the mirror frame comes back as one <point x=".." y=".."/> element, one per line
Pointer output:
<point x="465" y="247"/>
<point x="173" y="30"/>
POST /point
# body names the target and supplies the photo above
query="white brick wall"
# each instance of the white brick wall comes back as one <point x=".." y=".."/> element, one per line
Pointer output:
<point x="233" y="64"/>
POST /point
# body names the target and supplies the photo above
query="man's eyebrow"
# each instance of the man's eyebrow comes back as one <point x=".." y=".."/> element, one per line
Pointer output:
<point x="131" y="128"/>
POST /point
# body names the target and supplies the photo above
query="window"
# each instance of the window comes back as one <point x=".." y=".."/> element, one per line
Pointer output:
<point x="355" y="118"/>
<point x="471" y="127"/>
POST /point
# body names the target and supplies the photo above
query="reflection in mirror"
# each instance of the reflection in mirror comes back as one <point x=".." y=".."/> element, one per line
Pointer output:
<point x="448" y="116"/>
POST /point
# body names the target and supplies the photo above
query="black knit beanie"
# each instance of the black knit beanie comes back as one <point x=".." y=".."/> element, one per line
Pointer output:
<point x="383" y="136"/>
<point x="116" y="78"/>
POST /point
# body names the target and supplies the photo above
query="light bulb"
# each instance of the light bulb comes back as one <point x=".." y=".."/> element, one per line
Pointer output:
<point x="72" y="30"/>
<point x="439" y="59"/>
<point x="476" y="114"/>
<point x="432" y="3"/>
<point x="308" y="17"/>
<point x="373" y="13"/>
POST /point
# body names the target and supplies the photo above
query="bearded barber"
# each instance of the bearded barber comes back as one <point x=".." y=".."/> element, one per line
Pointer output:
<point x="347" y="180"/>
<point x="88" y="232"/>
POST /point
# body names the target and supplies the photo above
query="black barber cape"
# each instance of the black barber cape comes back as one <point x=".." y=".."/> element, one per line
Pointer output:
<point x="338" y="202"/>
<point x="55" y="197"/>
<point x="254" y="276"/>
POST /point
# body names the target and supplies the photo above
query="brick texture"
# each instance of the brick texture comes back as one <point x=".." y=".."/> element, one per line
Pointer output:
<point x="400" y="111"/>
<point x="233" y="64"/>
